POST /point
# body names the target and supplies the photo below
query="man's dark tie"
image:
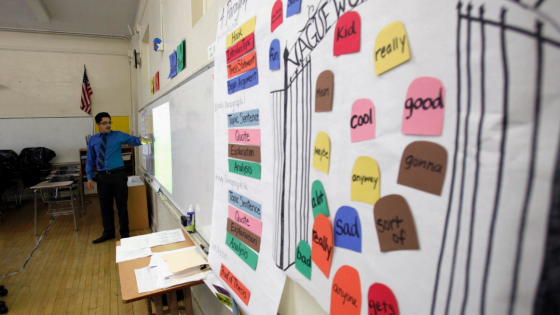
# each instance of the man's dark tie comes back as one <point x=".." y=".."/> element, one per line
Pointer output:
<point x="101" y="153"/>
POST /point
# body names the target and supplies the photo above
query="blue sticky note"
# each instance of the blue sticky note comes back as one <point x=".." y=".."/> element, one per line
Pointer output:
<point x="245" y="204"/>
<point x="244" y="81"/>
<point x="294" y="7"/>
<point x="348" y="229"/>
<point x="274" y="55"/>
<point x="242" y="119"/>
<point x="172" y="65"/>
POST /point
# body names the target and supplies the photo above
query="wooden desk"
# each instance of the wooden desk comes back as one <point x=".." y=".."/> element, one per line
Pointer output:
<point x="48" y="185"/>
<point x="129" y="287"/>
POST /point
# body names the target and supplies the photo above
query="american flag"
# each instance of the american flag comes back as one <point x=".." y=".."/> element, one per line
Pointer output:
<point x="86" y="93"/>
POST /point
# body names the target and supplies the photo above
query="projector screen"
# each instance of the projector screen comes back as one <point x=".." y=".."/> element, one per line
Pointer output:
<point x="162" y="146"/>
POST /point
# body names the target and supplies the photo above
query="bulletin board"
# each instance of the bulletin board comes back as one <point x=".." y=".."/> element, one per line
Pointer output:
<point x="390" y="157"/>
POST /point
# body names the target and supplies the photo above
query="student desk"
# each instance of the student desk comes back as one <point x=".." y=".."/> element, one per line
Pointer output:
<point x="129" y="288"/>
<point x="76" y="174"/>
<point x="54" y="185"/>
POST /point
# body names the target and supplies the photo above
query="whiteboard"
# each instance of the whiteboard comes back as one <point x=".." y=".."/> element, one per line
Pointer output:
<point x="65" y="136"/>
<point x="191" y="106"/>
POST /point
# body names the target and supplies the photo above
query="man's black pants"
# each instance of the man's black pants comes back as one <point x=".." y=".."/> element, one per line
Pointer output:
<point x="111" y="186"/>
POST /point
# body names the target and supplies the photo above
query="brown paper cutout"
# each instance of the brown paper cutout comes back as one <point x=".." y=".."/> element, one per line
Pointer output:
<point x="324" y="91"/>
<point x="245" y="152"/>
<point x="394" y="224"/>
<point x="423" y="167"/>
<point x="249" y="238"/>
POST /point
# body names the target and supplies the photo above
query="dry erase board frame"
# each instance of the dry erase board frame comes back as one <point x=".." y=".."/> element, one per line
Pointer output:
<point x="191" y="105"/>
<point x="64" y="135"/>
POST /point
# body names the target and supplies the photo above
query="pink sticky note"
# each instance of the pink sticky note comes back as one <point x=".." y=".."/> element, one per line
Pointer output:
<point x="245" y="136"/>
<point x="424" y="107"/>
<point x="247" y="221"/>
<point x="362" y="121"/>
<point x="276" y="17"/>
<point x="347" y="34"/>
<point x="381" y="300"/>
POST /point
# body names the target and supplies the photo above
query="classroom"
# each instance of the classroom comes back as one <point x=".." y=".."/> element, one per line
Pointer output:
<point x="286" y="157"/>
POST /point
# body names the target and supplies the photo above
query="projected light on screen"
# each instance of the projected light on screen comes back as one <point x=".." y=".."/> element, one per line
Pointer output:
<point x="162" y="146"/>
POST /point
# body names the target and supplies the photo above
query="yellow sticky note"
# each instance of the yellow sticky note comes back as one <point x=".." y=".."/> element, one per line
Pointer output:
<point x="152" y="85"/>
<point x="241" y="32"/>
<point x="322" y="152"/>
<point x="391" y="47"/>
<point x="366" y="180"/>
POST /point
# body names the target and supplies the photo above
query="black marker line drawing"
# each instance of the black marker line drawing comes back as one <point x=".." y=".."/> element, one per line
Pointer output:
<point x="292" y="126"/>
<point x="443" y="294"/>
<point x="292" y="111"/>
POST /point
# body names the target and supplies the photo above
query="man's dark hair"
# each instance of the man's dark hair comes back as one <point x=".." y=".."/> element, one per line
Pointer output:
<point x="100" y="116"/>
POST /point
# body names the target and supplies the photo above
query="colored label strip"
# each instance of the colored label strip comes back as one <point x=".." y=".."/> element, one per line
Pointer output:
<point x="250" y="239"/>
<point x="244" y="81"/>
<point x="243" y="119"/>
<point x="243" y="168"/>
<point x="231" y="280"/>
<point x="241" y="48"/>
<point x="250" y="153"/>
<point x="241" y="32"/>
<point x="245" y="220"/>
<point x="245" y="253"/>
<point x="242" y="65"/>
<point x="245" y="204"/>
<point x="244" y="136"/>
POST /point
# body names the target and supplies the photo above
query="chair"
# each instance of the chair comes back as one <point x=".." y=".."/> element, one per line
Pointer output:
<point x="30" y="176"/>
<point x="56" y="200"/>
<point x="76" y="187"/>
<point x="68" y="168"/>
<point x="65" y="172"/>
<point x="6" y="182"/>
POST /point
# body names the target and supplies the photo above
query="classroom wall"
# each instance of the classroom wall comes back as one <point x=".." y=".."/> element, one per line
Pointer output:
<point x="174" y="18"/>
<point x="172" y="22"/>
<point x="42" y="75"/>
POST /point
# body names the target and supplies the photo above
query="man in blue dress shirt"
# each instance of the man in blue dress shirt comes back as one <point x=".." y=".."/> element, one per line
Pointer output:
<point x="104" y="152"/>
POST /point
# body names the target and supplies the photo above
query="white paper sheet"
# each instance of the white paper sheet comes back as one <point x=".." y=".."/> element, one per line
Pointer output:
<point x="146" y="279"/>
<point x="125" y="254"/>
<point x="153" y="239"/>
<point x="136" y="242"/>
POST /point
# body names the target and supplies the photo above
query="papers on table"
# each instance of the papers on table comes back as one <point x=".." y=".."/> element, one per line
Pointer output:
<point x="146" y="278"/>
<point x="124" y="254"/>
<point x="187" y="265"/>
<point x="151" y="240"/>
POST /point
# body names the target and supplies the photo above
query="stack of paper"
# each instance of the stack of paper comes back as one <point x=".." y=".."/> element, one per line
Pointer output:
<point x="171" y="268"/>
<point x="139" y="246"/>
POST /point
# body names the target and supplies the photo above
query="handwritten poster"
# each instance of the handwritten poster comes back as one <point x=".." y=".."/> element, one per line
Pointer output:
<point x="354" y="139"/>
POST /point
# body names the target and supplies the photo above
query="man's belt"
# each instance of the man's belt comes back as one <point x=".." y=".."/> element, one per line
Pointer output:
<point x="118" y="169"/>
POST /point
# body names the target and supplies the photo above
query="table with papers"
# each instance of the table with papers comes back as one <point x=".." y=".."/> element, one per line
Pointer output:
<point x="135" y="272"/>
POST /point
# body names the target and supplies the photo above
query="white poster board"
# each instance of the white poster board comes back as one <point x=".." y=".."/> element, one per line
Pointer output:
<point x="438" y="195"/>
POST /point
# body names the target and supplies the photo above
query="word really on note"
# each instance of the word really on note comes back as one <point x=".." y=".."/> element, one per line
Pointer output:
<point x="391" y="47"/>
